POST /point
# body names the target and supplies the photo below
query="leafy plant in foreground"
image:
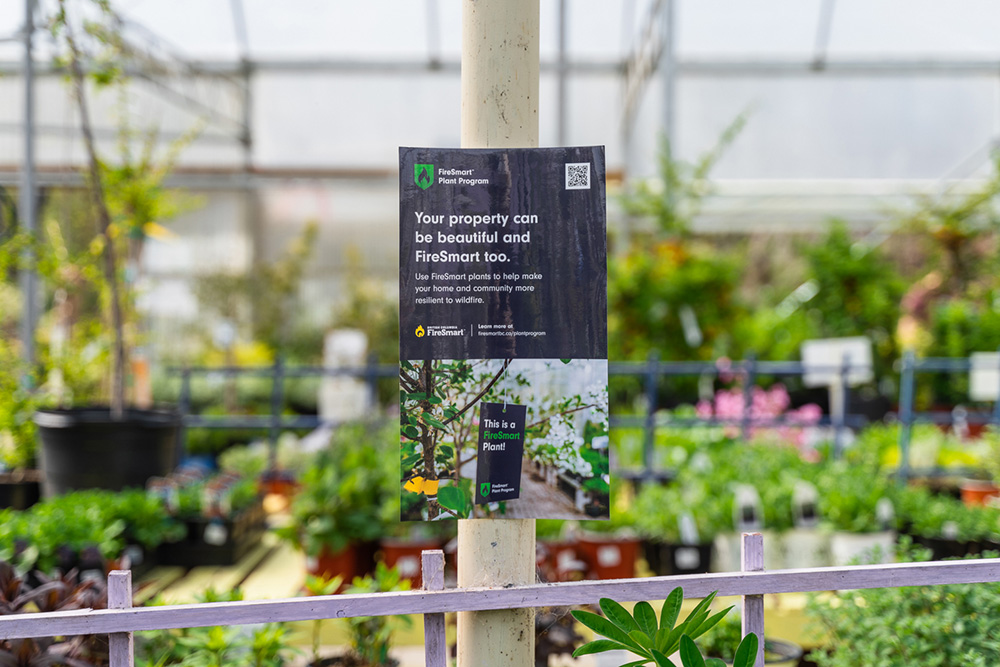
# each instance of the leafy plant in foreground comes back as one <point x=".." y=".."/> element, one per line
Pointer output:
<point x="654" y="641"/>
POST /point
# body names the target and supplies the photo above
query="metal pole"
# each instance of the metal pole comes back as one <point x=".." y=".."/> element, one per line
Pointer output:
<point x="562" y="108"/>
<point x="652" y="377"/>
<point x="27" y="195"/>
<point x="499" y="110"/>
<point x="751" y="381"/>
<point x="906" y="392"/>
<point x="668" y="74"/>
<point x="277" y="405"/>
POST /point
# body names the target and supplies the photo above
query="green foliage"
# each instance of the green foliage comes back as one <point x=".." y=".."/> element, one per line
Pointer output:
<point x="658" y="509"/>
<point x="653" y="285"/>
<point x="18" y="434"/>
<point x="858" y="292"/>
<point x="654" y="641"/>
<point x="849" y="497"/>
<point x="351" y="492"/>
<point x="34" y="538"/>
<point x="945" y="626"/>
<point x="267" y="645"/>
<point x="371" y="636"/>
<point x="925" y="514"/>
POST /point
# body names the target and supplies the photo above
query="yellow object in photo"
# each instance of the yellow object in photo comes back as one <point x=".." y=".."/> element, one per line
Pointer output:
<point x="428" y="487"/>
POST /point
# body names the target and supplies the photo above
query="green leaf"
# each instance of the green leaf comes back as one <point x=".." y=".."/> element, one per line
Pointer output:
<point x="746" y="653"/>
<point x="421" y="396"/>
<point x="606" y="628"/>
<point x="700" y="611"/>
<point x="446" y="450"/>
<point x="452" y="498"/>
<point x="433" y="422"/>
<point x="599" y="646"/>
<point x="645" y="617"/>
<point x="411" y="431"/>
<point x="434" y="400"/>
<point x="618" y="615"/>
<point x="671" y="608"/>
<point x="708" y="624"/>
<point x="661" y="660"/>
<point x="410" y="461"/>
<point x="641" y="638"/>
<point x="667" y="641"/>
<point x="690" y="655"/>
<point x="565" y="361"/>
<point x="715" y="662"/>
<point x="637" y="663"/>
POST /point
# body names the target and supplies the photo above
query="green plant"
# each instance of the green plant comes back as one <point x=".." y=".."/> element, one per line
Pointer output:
<point x="267" y="645"/>
<point x="947" y="626"/>
<point x="655" y="641"/>
<point x="658" y="509"/>
<point x="350" y="494"/>
<point x="320" y="586"/>
<point x="849" y="498"/>
<point x="372" y="635"/>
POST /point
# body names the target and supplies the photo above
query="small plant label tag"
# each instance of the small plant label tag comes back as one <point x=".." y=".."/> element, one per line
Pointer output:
<point x="501" y="447"/>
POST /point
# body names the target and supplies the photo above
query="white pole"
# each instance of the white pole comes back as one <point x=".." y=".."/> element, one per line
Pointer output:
<point x="499" y="110"/>
<point x="26" y="205"/>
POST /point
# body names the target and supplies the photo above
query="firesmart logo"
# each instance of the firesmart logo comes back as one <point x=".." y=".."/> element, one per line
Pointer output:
<point x="423" y="175"/>
<point x="484" y="489"/>
<point x="420" y="332"/>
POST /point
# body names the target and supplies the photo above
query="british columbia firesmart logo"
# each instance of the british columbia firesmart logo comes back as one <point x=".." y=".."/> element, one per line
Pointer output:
<point x="484" y="489"/>
<point x="420" y="332"/>
<point x="423" y="175"/>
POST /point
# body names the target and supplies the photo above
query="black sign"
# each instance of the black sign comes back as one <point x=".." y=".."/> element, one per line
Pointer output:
<point x="501" y="444"/>
<point x="503" y="254"/>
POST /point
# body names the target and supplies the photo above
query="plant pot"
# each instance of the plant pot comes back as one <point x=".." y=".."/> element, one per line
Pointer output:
<point x="84" y="448"/>
<point x="404" y="555"/>
<point x="942" y="547"/>
<point x="848" y="547"/>
<point x="557" y="560"/>
<point x="976" y="492"/>
<point x="219" y="542"/>
<point x="607" y="556"/>
<point x="354" y="560"/>
<point x="688" y="558"/>
<point x="807" y="547"/>
<point x="20" y="490"/>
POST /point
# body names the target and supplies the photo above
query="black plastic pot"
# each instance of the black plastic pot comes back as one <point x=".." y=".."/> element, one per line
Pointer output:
<point x="21" y="490"/>
<point x="665" y="558"/>
<point x="84" y="448"/>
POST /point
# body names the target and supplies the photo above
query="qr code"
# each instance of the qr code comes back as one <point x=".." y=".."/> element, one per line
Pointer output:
<point x="577" y="175"/>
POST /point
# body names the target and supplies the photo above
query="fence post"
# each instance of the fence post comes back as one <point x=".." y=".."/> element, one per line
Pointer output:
<point x="753" y="605"/>
<point x="371" y="377"/>
<point x="120" y="644"/>
<point x="906" y="391"/>
<point x="751" y="380"/>
<point x="649" y="436"/>
<point x="435" y="644"/>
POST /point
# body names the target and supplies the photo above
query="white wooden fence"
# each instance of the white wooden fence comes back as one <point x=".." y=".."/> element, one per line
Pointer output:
<point x="120" y="620"/>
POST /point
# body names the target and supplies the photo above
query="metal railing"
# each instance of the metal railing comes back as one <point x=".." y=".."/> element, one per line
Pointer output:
<point x="649" y="371"/>
<point x="120" y="620"/>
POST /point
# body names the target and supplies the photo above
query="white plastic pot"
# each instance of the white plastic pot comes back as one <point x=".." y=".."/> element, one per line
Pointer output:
<point x="861" y="547"/>
<point x="807" y="547"/>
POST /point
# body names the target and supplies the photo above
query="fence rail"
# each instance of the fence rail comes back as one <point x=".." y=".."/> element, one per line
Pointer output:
<point x="120" y="622"/>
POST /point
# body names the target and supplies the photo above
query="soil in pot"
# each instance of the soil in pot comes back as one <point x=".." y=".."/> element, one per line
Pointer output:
<point x="84" y="448"/>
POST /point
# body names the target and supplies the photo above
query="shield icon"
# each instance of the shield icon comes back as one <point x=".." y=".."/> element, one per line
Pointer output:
<point x="423" y="175"/>
<point x="484" y="489"/>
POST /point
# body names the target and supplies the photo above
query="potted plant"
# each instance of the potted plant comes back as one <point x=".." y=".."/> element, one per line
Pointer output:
<point x="903" y="626"/>
<point x="856" y="505"/>
<point x="115" y="446"/>
<point x="19" y="480"/>
<point x="371" y="636"/>
<point x="349" y="499"/>
<point x="655" y="640"/>
<point x="679" y="526"/>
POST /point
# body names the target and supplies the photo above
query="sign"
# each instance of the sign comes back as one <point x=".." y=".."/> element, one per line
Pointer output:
<point x="503" y="301"/>
<point x="824" y="358"/>
<point x="984" y="376"/>
<point x="501" y="448"/>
